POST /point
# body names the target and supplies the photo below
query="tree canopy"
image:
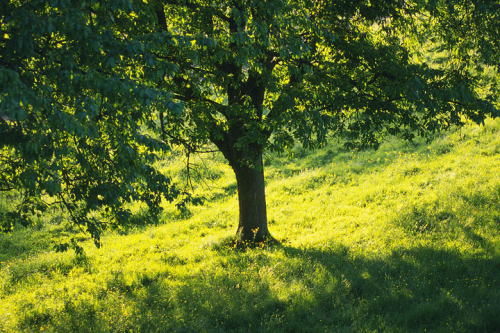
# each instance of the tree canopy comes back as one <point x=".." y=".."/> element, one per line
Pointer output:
<point x="83" y="83"/>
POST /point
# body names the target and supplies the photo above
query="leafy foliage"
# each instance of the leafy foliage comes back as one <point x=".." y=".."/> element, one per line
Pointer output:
<point x="302" y="69"/>
<point x="74" y="113"/>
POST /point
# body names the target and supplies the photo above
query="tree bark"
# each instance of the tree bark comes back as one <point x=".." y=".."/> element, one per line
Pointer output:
<point x="252" y="225"/>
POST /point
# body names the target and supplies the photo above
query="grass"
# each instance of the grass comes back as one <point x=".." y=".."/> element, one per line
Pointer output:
<point x="405" y="238"/>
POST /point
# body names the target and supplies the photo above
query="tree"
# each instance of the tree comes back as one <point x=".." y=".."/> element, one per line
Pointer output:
<point x="256" y="75"/>
<point x="244" y="75"/>
<point x="75" y="115"/>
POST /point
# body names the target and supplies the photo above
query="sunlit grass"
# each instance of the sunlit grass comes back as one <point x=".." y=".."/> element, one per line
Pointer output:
<point x="405" y="238"/>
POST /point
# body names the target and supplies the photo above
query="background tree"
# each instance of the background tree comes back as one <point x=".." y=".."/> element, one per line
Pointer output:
<point x="256" y="75"/>
<point x="74" y="113"/>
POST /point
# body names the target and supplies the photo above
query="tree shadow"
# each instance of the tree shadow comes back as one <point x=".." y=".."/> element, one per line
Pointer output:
<point x="27" y="241"/>
<point x="416" y="289"/>
<point x="287" y="289"/>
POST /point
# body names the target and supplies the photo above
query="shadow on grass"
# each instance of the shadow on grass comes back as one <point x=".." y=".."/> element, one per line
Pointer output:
<point x="26" y="241"/>
<point x="286" y="289"/>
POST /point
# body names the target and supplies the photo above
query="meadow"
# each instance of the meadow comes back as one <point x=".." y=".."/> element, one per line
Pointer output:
<point x="404" y="238"/>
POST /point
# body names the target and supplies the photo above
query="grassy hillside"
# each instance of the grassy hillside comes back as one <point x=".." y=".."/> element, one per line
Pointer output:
<point x="405" y="238"/>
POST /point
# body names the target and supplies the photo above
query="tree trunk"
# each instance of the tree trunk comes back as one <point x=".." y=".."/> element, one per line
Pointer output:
<point x="252" y="225"/>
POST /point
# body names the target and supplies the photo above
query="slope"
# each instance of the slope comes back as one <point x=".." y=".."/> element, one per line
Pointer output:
<point x="405" y="238"/>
